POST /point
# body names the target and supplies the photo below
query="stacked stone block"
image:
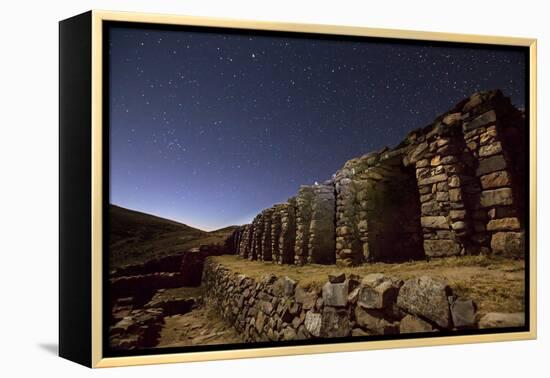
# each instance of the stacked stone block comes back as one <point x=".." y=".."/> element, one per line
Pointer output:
<point x="276" y="231"/>
<point x="322" y="230"/>
<point x="498" y="203"/>
<point x="280" y="309"/>
<point x="246" y="241"/>
<point x="348" y="244"/>
<point x="303" y="220"/>
<point x="287" y="237"/>
<point x="267" y="246"/>
<point x="440" y="176"/>
<point x="256" y="250"/>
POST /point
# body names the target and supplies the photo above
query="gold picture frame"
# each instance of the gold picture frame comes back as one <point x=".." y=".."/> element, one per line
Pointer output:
<point x="94" y="261"/>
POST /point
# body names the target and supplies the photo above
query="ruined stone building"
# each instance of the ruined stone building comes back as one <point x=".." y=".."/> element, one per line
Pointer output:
<point x="454" y="187"/>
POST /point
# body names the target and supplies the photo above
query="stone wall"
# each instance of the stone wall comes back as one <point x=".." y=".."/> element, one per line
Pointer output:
<point x="279" y="309"/>
<point x="303" y="219"/>
<point x="451" y="188"/>
<point x="322" y="230"/>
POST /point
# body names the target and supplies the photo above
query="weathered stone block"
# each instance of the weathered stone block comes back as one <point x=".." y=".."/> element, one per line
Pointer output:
<point x="413" y="324"/>
<point x="438" y="222"/>
<point x="430" y="208"/>
<point x="374" y="321"/>
<point x="482" y="120"/>
<point x="335" y="294"/>
<point x="452" y="118"/>
<point x="335" y="322"/>
<point x="488" y="136"/>
<point x="439" y="248"/>
<point x="495" y="180"/>
<point x="464" y="313"/>
<point x="442" y="196"/>
<point x="508" y="243"/>
<point x="457" y="214"/>
<point x="381" y="296"/>
<point x="490" y="149"/>
<point x="504" y="224"/>
<point x="502" y="320"/>
<point x="427" y="298"/>
<point x="455" y="195"/>
<point x="306" y="298"/>
<point x="432" y="179"/>
<point x="491" y="164"/>
<point x="496" y="197"/>
<point x="417" y="153"/>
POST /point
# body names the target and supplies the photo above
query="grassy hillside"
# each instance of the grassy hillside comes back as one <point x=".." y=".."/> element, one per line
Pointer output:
<point x="136" y="237"/>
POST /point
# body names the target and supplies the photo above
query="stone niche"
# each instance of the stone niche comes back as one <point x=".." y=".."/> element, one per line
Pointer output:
<point x="389" y="216"/>
<point x="377" y="210"/>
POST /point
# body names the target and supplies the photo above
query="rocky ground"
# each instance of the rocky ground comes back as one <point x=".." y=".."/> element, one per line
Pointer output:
<point x="181" y="316"/>
<point x="201" y="326"/>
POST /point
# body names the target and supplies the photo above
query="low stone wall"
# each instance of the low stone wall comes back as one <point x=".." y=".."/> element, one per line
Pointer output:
<point x="279" y="309"/>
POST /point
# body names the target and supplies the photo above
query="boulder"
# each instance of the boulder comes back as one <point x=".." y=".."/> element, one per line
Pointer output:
<point x="412" y="324"/>
<point x="497" y="197"/>
<point x="508" y="243"/>
<point x="374" y="322"/>
<point x="502" y="320"/>
<point x="381" y="296"/>
<point x="306" y="298"/>
<point x="427" y="298"/>
<point x="335" y="294"/>
<point x="312" y="322"/>
<point x="463" y="312"/>
<point x="335" y="322"/>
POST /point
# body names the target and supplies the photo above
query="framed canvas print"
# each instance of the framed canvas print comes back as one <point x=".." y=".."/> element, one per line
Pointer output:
<point x="235" y="189"/>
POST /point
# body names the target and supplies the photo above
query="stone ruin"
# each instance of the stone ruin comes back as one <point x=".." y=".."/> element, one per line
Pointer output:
<point x="454" y="187"/>
<point x="275" y="308"/>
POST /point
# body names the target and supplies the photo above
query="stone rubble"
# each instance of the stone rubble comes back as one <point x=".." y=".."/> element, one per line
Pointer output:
<point x="279" y="309"/>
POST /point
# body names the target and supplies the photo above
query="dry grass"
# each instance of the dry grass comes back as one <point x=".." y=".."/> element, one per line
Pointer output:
<point x="495" y="284"/>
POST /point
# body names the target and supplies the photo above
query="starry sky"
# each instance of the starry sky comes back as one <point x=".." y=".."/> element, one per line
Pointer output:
<point x="209" y="127"/>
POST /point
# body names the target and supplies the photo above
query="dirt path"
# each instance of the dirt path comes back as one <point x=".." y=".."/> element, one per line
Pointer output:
<point x="201" y="326"/>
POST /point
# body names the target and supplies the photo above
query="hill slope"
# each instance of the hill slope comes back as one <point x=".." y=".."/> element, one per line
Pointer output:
<point x="136" y="237"/>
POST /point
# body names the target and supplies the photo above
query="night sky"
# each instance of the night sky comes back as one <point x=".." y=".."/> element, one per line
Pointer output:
<point x="208" y="128"/>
